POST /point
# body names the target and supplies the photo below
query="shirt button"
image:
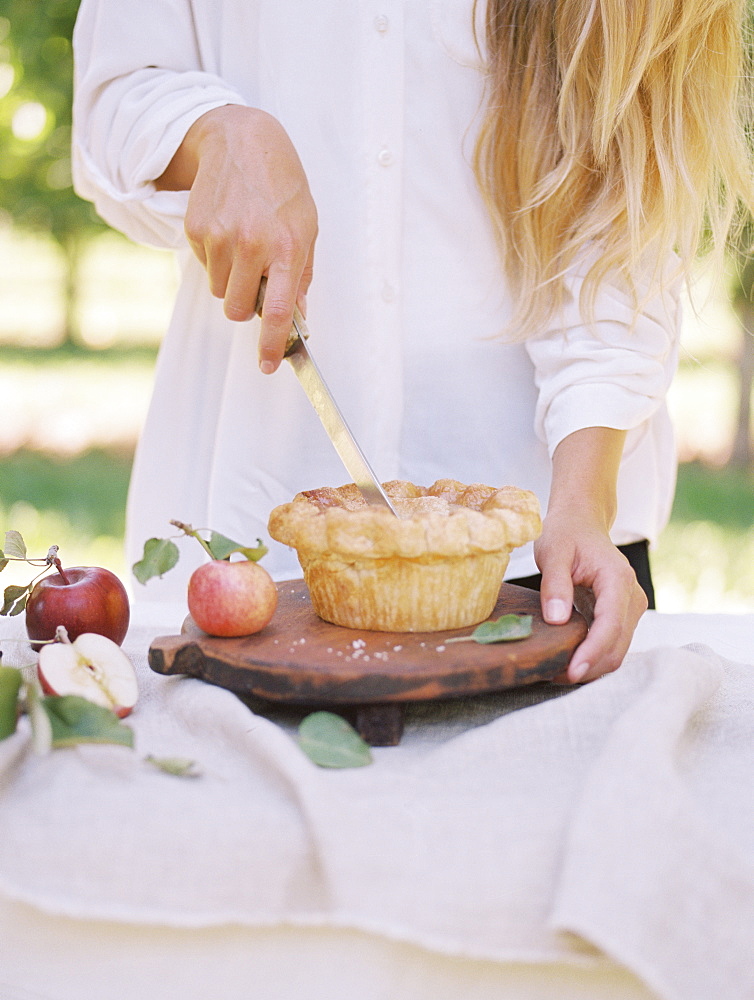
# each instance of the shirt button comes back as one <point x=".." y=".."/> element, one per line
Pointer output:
<point x="388" y="292"/>
<point x="384" y="157"/>
<point x="381" y="23"/>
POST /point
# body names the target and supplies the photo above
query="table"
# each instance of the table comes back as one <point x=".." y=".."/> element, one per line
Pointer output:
<point x="271" y="879"/>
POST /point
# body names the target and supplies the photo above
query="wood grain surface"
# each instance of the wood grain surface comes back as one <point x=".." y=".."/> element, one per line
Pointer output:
<point x="300" y="659"/>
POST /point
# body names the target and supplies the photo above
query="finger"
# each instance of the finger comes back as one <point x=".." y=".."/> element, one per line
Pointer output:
<point x="219" y="269"/>
<point x="556" y="593"/>
<point x="277" y="316"/>
<point x="242" y="288"/>
<point x="212" y="249"/>
<point x="306" y="279"/>
<point x="616" y="613"/>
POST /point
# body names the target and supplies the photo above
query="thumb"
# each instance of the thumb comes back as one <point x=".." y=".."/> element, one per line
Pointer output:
<point x="556" y="594"/>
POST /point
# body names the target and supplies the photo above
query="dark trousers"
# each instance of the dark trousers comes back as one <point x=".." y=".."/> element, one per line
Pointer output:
<point x="637" y="554"/>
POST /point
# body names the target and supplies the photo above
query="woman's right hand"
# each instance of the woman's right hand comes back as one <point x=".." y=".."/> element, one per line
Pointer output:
<point x="250" y="213"/>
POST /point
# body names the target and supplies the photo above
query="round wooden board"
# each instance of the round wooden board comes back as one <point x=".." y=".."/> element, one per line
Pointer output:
<point x="300" y="659"/>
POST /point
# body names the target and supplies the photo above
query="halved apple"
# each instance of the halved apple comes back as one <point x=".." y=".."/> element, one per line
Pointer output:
<point x="93" y="667"/>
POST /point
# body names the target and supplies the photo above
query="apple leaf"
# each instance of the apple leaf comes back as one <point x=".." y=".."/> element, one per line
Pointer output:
<point x="506" y="628"/>
<point x="41" y="729"/>
<point x="10" y="685"/>
<point x="222" y="547"/>
<point x="15" y="547"/>
<point x="3" y="561"/>
<point x="75" y="720"/>
<point x="14" y="600"/>
<point x="179" y="767"/>
<point x="329" y="741"/>
<point x="160" y="555"/>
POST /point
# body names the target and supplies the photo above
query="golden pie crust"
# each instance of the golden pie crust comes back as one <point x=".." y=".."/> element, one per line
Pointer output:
<point x="436" y="566"/>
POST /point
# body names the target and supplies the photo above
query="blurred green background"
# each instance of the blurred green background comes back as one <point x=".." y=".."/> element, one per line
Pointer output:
<point x="82" y="311"/>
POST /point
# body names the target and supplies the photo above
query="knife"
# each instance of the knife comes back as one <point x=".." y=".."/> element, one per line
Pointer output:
<point x="299" y="355"/>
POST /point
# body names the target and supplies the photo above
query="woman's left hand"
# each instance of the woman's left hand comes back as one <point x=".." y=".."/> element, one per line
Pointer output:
<point x="572" y="553"/>
<point x="575" y="551"/>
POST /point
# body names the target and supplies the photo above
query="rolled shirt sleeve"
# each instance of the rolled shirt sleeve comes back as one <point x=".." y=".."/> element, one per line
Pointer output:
<point x="139" y="86"/>
<point x="613" y="372"/>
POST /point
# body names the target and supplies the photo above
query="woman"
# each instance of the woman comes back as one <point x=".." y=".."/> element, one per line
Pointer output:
<point x="496" y="193"/>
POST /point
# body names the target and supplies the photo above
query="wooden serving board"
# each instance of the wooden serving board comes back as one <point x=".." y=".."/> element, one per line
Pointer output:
<point x="302" y="660"/>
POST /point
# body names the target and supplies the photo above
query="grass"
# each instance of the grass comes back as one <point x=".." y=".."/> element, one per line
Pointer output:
<point x="76" y="503"/>
<point x="705" y="559"/>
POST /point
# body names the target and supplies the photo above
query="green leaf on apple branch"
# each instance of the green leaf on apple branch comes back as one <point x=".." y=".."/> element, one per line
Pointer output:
<point x="14" y="600"/>
<point x="179" y="767"/>
<point x="328" y="740"/>
<point x="10" y="685"/>
<point x="506" y="628"/>
<point x="3" y="561"/>
<point x="75" y="720"/>
<point x="160" y="555"/>
<point x="222" y="547"/>
<point x="15" y="546"/>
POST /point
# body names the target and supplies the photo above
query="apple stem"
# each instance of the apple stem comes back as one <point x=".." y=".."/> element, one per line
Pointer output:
<point x="61" y="635"/>
<point x="188" y="530"/>
<point x="54" y="561"/>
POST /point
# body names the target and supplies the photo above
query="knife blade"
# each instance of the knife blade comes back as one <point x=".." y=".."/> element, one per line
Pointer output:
<point x="298" y="353"/>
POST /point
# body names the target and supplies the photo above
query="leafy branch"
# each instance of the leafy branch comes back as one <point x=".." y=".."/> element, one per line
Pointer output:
<point x="15" y="596"/>
<point x="162" y="554"/>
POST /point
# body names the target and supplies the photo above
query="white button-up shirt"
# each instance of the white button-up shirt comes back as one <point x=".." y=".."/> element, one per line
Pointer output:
<point x="381" y="101"/>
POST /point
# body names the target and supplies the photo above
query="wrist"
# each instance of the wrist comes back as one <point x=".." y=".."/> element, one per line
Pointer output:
<point x="212" y="130"/>
<point x="585" y="476"/>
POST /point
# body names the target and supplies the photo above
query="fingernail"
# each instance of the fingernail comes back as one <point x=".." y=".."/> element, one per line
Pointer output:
<point x="267" y="367"/>
<point x="557" y="611"/>
<point x="578" y="672"/>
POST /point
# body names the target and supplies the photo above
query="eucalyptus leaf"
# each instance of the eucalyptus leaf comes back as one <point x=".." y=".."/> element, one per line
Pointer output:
<point x="75" y="720"/>
<point x="159" y="556"/>
<point x="15" y="546"/>
<point x="14" y="600"/>
<point x="223" y="547"/>
<point x="328" y="740"/>
<point x="10" y="685"/>
<point x="179" y="767"/>
<point x="506" y="628"/>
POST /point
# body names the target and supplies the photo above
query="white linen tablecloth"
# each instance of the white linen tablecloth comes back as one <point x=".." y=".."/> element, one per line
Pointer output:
<point x="540" y="843"/>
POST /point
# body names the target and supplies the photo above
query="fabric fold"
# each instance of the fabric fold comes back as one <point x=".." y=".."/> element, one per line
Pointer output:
<point x="619" y="811"/>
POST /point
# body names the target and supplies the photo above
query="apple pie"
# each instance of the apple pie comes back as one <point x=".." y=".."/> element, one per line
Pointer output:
<point x="436" y="566"/>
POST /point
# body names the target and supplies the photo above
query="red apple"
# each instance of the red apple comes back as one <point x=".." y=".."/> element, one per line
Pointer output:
<point x="231" y="598"/>
<point x="93" y="667"/>
<point x="83" y="599"/>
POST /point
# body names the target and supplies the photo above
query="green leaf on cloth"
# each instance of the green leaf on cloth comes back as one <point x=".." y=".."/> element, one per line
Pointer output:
<point x="506" y="628"/>
<point x="329" y="741"/>
<point x="75" y="720"/>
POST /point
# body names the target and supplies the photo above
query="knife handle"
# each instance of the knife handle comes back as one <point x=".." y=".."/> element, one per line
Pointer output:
<point x="298" y="330"/>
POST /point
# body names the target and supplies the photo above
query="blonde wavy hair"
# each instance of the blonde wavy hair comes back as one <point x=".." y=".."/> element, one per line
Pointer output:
<point x="615" y="129"/>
